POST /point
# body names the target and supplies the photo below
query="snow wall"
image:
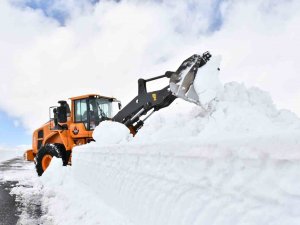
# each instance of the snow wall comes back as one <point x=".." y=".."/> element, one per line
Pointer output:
<point x="234" y="161"/>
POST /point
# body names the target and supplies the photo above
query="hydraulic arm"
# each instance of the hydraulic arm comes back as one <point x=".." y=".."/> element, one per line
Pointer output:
<point x="146" y="103"/>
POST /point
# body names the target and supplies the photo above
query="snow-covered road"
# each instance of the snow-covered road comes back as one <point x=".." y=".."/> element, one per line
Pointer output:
<point x="8" y="208"/>
<point x="20" y="193"/>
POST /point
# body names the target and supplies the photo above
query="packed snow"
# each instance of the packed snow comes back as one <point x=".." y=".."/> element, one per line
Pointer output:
<point x="235" y="161"/>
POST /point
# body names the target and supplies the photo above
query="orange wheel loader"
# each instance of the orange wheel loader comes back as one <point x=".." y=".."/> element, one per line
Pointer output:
<point x="72" y="125"/>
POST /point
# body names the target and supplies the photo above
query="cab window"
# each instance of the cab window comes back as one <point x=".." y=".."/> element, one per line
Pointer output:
<point x="100" y="110"/>
<point x="81" y="110"/>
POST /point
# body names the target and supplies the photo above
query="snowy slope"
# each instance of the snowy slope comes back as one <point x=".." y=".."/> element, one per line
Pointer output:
<point x="237" y="162"/>
<point x="7" y="153"/>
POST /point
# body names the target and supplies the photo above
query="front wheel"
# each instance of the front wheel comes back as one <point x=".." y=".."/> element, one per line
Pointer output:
<point x="44" y="157"/>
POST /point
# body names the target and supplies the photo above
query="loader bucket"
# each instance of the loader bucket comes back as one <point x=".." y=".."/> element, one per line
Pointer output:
<point x="182" y="81"/>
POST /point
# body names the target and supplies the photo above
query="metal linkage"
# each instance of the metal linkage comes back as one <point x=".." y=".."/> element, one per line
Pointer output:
<point x="181" y="84"/>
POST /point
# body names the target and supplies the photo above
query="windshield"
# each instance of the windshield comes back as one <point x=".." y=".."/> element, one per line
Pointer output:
<point x="100" y="109"/>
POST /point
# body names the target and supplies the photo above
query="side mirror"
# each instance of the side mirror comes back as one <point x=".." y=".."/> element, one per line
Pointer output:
<point x="120" y="105"/>
<point x="54" y="116"/>
<point x="62" y="114"/>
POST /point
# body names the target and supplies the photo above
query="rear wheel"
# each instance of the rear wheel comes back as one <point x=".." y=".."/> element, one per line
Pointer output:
<point x="44" y="157"/>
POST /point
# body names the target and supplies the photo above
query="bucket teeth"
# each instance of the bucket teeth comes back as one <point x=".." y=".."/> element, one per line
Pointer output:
<point x="182" y="81"/>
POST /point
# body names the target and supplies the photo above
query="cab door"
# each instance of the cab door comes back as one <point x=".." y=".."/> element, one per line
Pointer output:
<point x="81" y="126"/>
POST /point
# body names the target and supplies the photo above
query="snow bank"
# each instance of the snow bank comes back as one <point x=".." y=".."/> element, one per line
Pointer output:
<point x="235" y="162"/>
<point x="70" y="201"/>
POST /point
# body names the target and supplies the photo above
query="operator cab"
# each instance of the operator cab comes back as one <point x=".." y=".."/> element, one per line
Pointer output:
<point x="92" y="109"/>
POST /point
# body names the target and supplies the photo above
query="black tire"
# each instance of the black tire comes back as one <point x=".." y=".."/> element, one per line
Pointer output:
<point x="44" y="152"/>
<point x="64" y="154"/>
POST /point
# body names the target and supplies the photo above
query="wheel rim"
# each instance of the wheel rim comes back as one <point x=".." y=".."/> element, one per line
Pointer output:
<point x="46" y="161"/>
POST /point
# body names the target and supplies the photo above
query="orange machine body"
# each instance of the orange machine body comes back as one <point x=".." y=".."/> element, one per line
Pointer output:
<point x="77" y="132"/>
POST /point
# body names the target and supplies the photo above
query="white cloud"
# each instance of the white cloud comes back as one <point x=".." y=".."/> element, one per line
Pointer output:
<point x="105" y="49"/>
<point x="260" y="45"/>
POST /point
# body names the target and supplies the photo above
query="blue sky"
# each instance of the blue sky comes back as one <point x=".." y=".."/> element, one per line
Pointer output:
<point x="61" y="14"/>
<point x="49" y="8"/>
<point x="10" y="134"/>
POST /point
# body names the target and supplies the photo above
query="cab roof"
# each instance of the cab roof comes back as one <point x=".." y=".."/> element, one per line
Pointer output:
<point x="91" y="95"/>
